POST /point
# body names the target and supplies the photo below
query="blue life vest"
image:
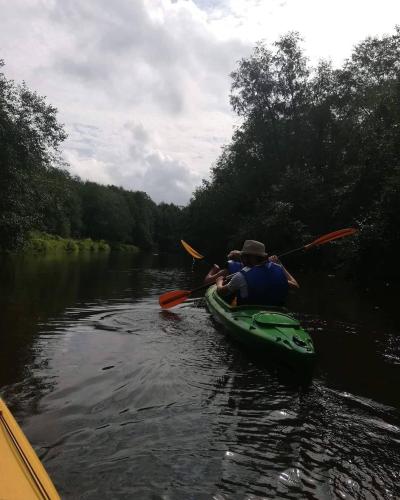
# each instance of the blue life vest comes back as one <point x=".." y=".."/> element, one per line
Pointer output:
<point x="234" y="266"/>
<point x="267" y="285"/>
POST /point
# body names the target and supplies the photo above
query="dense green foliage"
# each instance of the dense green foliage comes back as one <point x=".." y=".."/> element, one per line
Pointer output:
<point x="37" y="193"/>
<point x="29" y="140"/>
<point x="42" y="243"/>
<point x="318" y="150"/>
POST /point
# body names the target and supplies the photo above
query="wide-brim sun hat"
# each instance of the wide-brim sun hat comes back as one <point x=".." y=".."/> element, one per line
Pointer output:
<point x="253" y="247"/>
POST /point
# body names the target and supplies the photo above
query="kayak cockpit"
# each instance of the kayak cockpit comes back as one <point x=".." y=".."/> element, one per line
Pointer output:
<point x="262" y="326"/>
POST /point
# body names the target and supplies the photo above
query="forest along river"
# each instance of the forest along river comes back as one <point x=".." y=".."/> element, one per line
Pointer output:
<point x="123" y="400"/>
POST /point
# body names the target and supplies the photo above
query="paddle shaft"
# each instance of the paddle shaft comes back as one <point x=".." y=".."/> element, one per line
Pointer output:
<point x="334" y="235"/>
<point x="202" y="287"/>
<point x="173" y="298"/>
<point x="291" y="251"/>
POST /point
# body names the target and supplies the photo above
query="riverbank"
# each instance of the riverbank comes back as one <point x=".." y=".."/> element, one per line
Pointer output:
<point x="48" y="244"/>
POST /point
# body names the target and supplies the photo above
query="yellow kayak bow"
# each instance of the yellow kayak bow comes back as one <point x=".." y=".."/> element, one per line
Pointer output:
<point x="22" y="475"/>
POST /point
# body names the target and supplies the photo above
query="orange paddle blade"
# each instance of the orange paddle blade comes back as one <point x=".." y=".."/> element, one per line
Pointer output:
<point x="191" y="251"/>
<point x="341" y="233"/>
<point x="172" y="299"/>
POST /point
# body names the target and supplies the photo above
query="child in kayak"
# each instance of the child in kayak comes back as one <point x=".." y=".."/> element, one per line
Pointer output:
<point x="233" y="265"/>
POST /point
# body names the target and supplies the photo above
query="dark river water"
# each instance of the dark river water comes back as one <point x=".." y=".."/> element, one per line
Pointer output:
<point x="123" y="400"/>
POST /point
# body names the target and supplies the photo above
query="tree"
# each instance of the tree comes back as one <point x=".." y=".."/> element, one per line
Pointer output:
<point x="168" y="227"/>
<point x="318" y="149"/>
<point x="60" y="209"/>
<point x="30" y="137"/>
<point x="105" y="213"/>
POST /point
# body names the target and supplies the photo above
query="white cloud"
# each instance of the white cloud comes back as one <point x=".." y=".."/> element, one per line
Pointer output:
<point x="142" y="85"/>
<point x="130" y="158"/>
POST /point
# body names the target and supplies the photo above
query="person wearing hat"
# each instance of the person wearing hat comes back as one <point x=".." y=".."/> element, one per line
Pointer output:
<point x="232" y="266"/>
<point x="262" y="281"/>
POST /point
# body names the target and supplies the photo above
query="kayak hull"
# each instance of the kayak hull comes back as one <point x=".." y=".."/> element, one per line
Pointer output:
<point x="22" y="475"/>
<point x="264" y="329"/>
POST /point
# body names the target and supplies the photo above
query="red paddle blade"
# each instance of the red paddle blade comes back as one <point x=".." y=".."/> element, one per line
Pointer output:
<point x="341" y="233"/>
<point x="172" y="299"/>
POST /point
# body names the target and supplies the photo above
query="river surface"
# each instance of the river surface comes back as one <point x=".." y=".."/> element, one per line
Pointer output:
<point x="123" y="400"/>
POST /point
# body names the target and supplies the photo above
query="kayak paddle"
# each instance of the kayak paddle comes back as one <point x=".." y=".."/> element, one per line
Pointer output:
<point x="326" y="238"/>
<point x="172" y="299"/>
<point x="191" y="251"/>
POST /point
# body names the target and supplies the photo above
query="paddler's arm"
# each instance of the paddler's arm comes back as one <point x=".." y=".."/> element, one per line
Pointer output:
<point x="214" y="273"/>
<point x="291" y="280"/>
<point x="222" y="289"/>
<point x="232" y="287"/>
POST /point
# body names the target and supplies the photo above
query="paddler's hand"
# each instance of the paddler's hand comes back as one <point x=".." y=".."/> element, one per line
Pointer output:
<point x="221" y="288"/>
<point x="274" y="259"/>
<point x="219" y="281"/>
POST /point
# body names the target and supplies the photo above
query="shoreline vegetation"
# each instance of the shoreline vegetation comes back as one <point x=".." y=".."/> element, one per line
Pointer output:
<point x="40" y="244"/>
<point x="39" y="195"/>
<point x="317" y="150"/>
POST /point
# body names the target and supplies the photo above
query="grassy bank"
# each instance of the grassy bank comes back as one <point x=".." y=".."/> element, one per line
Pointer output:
<point x="124" y="247"/>
<point x="48" y="244"/>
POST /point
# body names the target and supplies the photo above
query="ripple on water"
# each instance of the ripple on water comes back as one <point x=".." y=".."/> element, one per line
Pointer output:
<point x="389" y="346"/>
<point x="146" y="403"/>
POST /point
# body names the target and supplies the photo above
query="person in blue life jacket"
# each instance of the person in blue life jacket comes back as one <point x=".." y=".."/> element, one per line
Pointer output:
<point x="262" y="281"/>
<point x="233" y="265"/>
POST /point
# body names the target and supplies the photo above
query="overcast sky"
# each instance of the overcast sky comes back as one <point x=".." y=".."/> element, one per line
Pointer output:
<point x="142" y="86"/>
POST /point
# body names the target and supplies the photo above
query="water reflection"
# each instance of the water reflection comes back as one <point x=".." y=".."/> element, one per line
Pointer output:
<point x="121" y="398"/>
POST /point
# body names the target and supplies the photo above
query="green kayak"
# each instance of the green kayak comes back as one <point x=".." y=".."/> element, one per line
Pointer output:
<point x="263" y="328"/>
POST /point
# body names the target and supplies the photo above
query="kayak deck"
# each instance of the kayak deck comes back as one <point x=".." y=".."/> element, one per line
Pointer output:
<point x="22" y="475"/>
<point x="269" y="328"/>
